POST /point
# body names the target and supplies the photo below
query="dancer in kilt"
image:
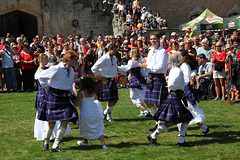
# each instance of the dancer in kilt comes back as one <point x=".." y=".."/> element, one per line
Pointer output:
<point x="106" y="66"/>
<point x="157" y="65"/>
<point x="41" y="126"/>
<point x="137" y="82"/>
<point x="192" y="95"/>
<point x="172" y="110"/>
<point x="58" y="81"/>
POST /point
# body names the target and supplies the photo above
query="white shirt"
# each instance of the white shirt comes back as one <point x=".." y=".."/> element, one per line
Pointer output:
<point x="7" y="59"/>
<point x="57" y="77"/>
<point x="120" y="7"/>
<point x="132" y="64"/>
<point x="175" y="79"/>
<point x="157" y="62"/>
<point x="144" y="15"/>
<point x="105" y="66"/>
<point x="186" y="73"/>
<point x="36" y="75"/>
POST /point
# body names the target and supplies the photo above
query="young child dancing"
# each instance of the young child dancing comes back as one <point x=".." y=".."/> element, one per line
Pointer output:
<point x="91" y="115"/>
<point x="137" y="82"/>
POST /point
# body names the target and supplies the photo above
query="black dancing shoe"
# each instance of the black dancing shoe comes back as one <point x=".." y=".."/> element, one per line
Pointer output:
<point x="206" y="132"/>
<point x="153" y="128"/>
<point x="45" y="147"/>
<point x="152" y="141"/>
<point x="184" y="144"/>
<point x="57" y="149"/>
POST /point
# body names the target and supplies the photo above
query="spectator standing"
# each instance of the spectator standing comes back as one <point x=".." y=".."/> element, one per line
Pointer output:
<point x="219" y="74"/>
<point x="8" y="67"/>
<point x="28" y="68"/>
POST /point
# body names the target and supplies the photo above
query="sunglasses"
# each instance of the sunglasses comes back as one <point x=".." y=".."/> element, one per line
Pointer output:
<point x="218" y="46"/>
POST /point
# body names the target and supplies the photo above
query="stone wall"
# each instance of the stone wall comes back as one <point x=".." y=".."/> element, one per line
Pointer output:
<point x="87" y="17"/>
<point x="83" y="17"/>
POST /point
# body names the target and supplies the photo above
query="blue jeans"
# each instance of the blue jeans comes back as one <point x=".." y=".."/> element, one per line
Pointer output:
<point x="9" y="74"/>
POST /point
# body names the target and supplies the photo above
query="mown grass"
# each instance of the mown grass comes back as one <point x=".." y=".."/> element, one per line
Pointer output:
<point x="126" y="137"/>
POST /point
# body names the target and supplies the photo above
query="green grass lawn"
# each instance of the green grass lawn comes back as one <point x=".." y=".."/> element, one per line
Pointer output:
<point x="126" y="137"/>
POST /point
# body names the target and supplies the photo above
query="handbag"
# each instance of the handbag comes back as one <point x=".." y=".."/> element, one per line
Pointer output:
<point x="218" y="67"/>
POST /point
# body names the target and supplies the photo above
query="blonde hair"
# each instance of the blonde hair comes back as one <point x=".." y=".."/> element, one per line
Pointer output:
<point x="135" y="53"/>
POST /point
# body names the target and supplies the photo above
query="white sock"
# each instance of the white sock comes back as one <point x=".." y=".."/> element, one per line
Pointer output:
<point x="152" y="110"/>
<point x="48" y="134"/>
<point x="183" y="131"/>
<point x="108" y="110"/>
<point x="160" y="129"/>
<point x="145" y="112"/>
<point x="204" y="127"/>
<point x="60" y="133"/>
<point x="179" y="126"/>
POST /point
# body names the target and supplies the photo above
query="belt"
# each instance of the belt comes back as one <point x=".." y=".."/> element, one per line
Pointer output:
<point x="58" y="91"/>
<point x="153" y="75"/>
<point x="177" y="92"/>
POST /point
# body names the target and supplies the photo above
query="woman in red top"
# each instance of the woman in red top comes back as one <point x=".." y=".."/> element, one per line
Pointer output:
<point x="28" y="68"/>
<point x="219" y="76"/>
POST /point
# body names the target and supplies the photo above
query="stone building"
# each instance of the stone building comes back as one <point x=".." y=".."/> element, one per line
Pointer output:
<point x="48" y="17"/>
<point x="90" y="17"/>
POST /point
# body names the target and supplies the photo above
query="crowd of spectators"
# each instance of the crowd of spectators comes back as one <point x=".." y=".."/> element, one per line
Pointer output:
<point x="137" y="17"/>
<point x="207" y="55"/>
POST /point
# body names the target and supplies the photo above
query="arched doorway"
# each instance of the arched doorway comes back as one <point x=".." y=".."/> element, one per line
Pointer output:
<point x="18" y="22"/>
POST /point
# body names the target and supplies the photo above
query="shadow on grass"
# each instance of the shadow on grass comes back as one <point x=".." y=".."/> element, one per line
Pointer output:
<point x="220" y="138"/>
<point x="119" y="145"/>
<point x="133" y="119"/>
<point x="196" y="127"/>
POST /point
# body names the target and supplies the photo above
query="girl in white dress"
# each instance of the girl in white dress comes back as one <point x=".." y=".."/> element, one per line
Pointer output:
<point x="41" y="126"/>
<point x="91" y="116"/>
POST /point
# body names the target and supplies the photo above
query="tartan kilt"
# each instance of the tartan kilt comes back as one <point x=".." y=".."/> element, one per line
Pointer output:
<point x="59" y="108"/>
<point x="172" y="110"/>
<point x="191" y="94"/>
<point x="40" y="102"/>
<point x="159" y="92"/>
<point x="106" y="94"/>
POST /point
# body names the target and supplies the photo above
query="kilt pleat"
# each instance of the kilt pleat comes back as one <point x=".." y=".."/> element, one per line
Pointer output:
<point x="106" y="94"/>
<point x="40" y="102"/>
<point x="58" y="108"/>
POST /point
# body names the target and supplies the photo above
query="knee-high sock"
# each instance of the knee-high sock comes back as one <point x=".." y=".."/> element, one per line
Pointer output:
<point x="204" y="127"/>
<point x="183" y="131"/>
<point x="160" y="129"/>
<point x="108" y="110"/>
<point x="179" y="126"/>
<point x="152" y="110"/>
<point x="60" y="133"/>
<point x="48" y="134"/>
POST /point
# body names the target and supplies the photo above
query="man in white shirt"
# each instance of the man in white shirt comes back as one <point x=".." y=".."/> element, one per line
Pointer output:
<point x="58" y="81"/>
<point x="157" y="65"/>
<point x="106" y="66"/>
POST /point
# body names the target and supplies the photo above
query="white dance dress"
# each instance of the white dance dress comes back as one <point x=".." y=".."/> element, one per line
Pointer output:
<point x="91" y="125"/>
